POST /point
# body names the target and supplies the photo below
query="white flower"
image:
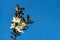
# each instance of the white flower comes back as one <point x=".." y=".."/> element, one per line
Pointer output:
<point x="19" y="30"/>
<point x="23" y="24"/>
<point x="12" y="25"/>
<point x="16" y="20"/>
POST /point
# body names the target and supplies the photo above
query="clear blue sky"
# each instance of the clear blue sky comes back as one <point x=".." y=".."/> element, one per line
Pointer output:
<point x="44" y="13"/>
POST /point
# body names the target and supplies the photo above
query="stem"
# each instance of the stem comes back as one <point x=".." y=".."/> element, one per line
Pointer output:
<point x="15" y="36"/>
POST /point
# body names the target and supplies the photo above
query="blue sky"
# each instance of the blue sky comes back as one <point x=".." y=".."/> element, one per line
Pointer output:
<point x="44" y="13"/>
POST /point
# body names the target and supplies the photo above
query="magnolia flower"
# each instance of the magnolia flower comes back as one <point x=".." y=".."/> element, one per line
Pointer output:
<point x="12" y="25"/>
<point x="16" y="19"/>
<point x="20" y="27"/>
